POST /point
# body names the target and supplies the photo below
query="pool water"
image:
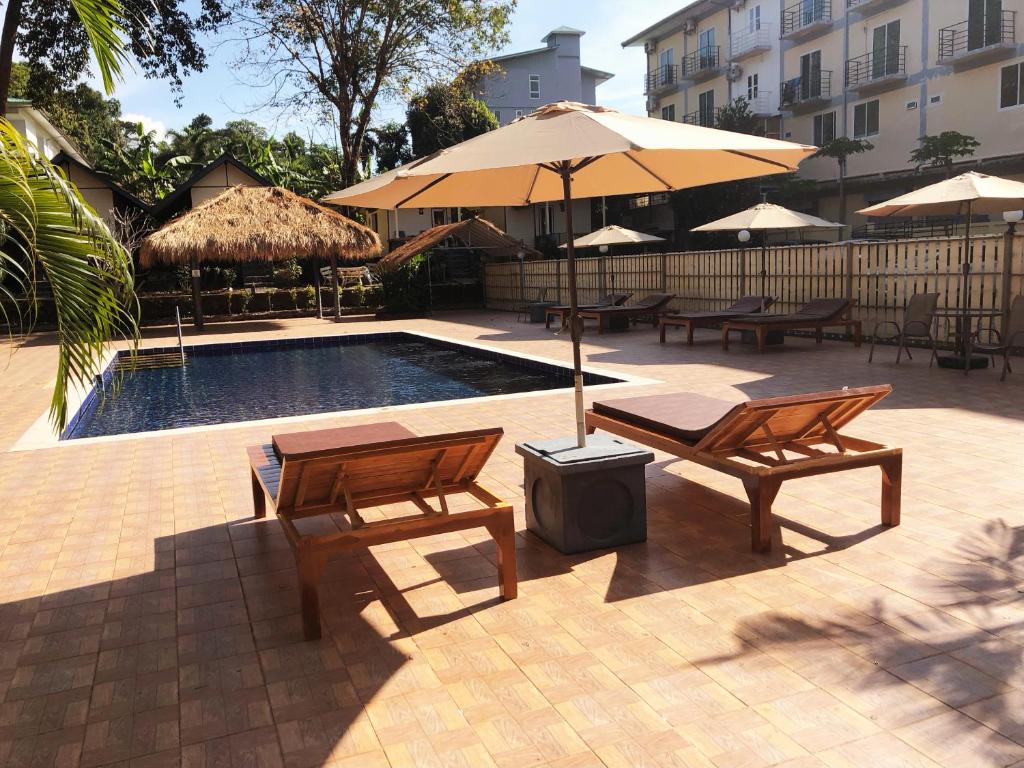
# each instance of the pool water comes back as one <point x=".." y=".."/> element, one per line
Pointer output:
<point x="243" y="382"/>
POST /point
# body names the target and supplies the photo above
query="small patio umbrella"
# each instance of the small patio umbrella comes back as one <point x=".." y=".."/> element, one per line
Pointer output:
<point x="765" y="217"/>
<point x="249" y="224"/>
<point x="963" y="195"/>
<point x="566" y="150"/>
<point x="614" y="235"/>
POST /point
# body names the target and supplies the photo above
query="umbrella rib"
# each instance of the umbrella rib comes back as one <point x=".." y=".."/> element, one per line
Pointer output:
<point x="533" y="183"/>
<point x="760" y="159"/>
<point x="421" y="190"/>
<point x="650" y="172"/>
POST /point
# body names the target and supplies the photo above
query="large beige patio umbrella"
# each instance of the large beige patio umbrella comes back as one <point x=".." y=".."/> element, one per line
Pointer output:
<point x="765" y="217"/>
<point x="566" y="150"/>
<point x="963" y="195"/>
<point x="251" y="224"/>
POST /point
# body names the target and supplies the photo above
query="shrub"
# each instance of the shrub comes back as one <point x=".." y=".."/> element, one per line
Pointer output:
<point x="405" y="289"/>
<point x="287" y="273"/>
<point x="183" y="277"/>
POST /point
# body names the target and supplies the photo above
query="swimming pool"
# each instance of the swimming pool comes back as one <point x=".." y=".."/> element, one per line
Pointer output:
<point x="227" y="383"/>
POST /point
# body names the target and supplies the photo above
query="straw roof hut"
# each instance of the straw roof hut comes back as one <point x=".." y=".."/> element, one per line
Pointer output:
<point x="250" y="224"/>
<point x="245" y="224"/>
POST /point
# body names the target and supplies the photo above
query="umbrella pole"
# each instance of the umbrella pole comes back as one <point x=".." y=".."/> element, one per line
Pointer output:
<point x="965" y="297"/>
<point x="575" y="323"/>
<point x="764" y="266"/>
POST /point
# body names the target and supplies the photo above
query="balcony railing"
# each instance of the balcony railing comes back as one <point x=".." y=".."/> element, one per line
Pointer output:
<point x="664" y="76"/>
<point x="805" y="14"/>
<point x="763" y="104"/>
<point x="961" y="40"/>
<point x="702" y="62"/>
<point x="703" y="117"/>
<point x="750" y="41"/>
<point x="888" y="63"/>
<point x="867" y="7"/>
<point x="805" y="90"/>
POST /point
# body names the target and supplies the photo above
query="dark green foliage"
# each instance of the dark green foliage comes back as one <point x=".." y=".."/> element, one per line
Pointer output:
<point x="737" y="117"/>
<point x="287" y="273"/>
<point x="444" y="115"/>
<point x="943" y="150"/>
<point x="405" y="288"/>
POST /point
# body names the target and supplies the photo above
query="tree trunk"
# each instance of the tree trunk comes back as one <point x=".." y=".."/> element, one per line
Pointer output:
<point x="842" y="191"/>
<point x="7" y="40"/>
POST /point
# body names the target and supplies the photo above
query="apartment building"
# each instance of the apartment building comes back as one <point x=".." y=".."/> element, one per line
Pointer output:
<point x="887" y="71"/>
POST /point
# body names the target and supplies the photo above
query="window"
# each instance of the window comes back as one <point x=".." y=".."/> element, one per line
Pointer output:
<point x="824" y="128"/>
<point x="534" y="86"/>
<point x="885" y="50"/>
<point x="751" y="88"/>
<point x="865" y="119"/>
<point x="665" y="71"/>
<point x="984" y="23"/>
<point x="754" y="18"/>
<point x="669" y="112"/>
<point x="810" y="75"/>
<point x="1011" y="86"/>
<point x="519" y="113"/>
<point x="706" y="108"/>
<point x="708" y="54"/>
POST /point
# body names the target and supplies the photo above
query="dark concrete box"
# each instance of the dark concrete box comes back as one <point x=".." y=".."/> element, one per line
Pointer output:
<point x="579" y="499"/>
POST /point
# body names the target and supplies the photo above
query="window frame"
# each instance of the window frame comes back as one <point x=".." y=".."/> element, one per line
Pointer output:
<point x="671" y="110"/>
<point x="531" y="79"/>
<point x="878" y="119"/>
<point x="1019" y="66"/>
<point x="819" y="120"/>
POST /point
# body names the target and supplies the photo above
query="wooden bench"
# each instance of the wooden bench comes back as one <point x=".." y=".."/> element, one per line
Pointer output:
<point x="337" y="472"/>
<point x="691" y="320"/>
<point x="816" y="315"/>
<point x="762" y="442"/>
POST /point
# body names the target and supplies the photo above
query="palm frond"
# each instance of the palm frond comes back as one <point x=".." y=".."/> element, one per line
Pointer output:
<point x="106" y="36"/>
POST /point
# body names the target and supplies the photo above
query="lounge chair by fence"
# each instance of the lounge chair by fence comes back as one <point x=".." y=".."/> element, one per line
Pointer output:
<point x="333" y="474"/>
<point x="562" y="311"/>
<point x="815" y="315"/>
<point x="653" y="305"/>
<point x="689" y="320"/>
<point x="762" y="442"/>
<point x="1011" y="337"/>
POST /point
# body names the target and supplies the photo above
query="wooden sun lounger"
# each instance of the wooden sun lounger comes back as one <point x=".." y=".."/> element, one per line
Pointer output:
<point x="816" y="315"/>
<point x="562" y="311"/>
<point x="653" y="305"/>
<point x="762" y="442"/>
<point x="337" y="472"/>
<point x="690" y="320"/>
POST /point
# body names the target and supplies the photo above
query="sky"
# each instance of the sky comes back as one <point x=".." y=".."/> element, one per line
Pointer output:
<point x="223" y="94"/>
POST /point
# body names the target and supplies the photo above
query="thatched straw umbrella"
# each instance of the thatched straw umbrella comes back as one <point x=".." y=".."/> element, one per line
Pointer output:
<point x="247" y="224"/>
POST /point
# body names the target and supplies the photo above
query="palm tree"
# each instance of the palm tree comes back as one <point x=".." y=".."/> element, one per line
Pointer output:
<point x="840" y="149"/>
<point x="46" y="225"/>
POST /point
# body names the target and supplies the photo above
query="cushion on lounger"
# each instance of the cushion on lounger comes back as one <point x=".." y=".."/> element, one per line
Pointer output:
<point x="305" y="445"/>
<point x="684" y="416"/>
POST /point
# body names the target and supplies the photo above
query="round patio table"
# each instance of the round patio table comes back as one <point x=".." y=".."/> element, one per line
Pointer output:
<point x="965" y="321"/>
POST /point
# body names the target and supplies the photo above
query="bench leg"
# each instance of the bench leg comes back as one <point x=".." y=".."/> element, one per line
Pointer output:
<point x="819" y="335"/>
<point x="311" y="567"/>
<point x="504" y="534"/>
<point x="662" y="334"/>
<point x="259" y="498"/>
<point x="547" y="321"/>
<point x="762" y="339"/>
<point x="689" y="334"/>
<point x="892" y="482"/>
<point x="725" y="337"/>
<point x="858" y="334"/>
<point x="761" y="492"/>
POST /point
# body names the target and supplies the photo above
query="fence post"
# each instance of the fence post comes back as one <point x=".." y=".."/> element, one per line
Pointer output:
<point x="664" y="273"/>
<point x="1007" y="287"/>
<point x="558" y="280"/>
<point x="743" y="271"/>
<point x="849" y="270"/>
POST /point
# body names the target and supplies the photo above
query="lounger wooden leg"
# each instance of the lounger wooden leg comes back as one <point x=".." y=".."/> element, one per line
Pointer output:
<point x="311" y="568"/>
<point x="762" y="338"/>
<point x="725" y="337"/>
<point x="762" y="493"/>
<point x="504" y="535"/>
<point x="689" y="334"/>
<point x="819" y="335"/>
<point x="892" y="482"/>
<point x="547" y="321"/>
<point x="259" y="497"/>
<point x="662" y="333"/>
<point x="858" y="334"/>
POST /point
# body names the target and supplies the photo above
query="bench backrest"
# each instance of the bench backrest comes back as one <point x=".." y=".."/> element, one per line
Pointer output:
<point x="752" y="304"/>
<point x="652" y="301"/>
<point x="383" y="471"/>
<point x="759" y="424"/>
<point x="825" y="309"/>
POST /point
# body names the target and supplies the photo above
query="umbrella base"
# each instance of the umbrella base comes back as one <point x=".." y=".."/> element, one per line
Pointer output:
<point x="959" y="362"/>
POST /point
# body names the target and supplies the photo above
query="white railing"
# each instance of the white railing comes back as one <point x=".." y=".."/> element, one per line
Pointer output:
<point x="746" y="40"/>
<point x="764" y="103"/>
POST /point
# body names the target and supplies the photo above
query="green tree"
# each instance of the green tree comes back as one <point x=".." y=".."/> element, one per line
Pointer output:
<point x="160" y="35"/>
<point x="339" y="57"/>
<point x="840" y="149"/>
<point x="445" y="114"/>
<point x="196" y="140"/>
<point x="142" y="165"/>
<point x="47" y="226"/>
<point x="737" y="117"/>
<point x="389" y="145"/>
<point x="941" y="151"/>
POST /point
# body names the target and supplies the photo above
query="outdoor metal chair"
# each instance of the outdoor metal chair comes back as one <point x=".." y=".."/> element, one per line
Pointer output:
<point x="1011" y="337"/>
<point x="917" y="324"/>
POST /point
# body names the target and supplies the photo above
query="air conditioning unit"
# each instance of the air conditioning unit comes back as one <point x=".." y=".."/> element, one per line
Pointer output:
<point x="733" y="72"/>
<point x="650" y="46"/>
<point x="690" y="27"/>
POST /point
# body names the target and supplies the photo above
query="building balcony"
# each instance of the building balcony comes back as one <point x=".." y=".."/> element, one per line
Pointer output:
<point x="751" y="42"/>
<point x="662" y="79"/>
<point x="702" y="117"/>
<point x="877" y="71"/>
<point x="972" y="43"/>
<point x="703" y="63"/>
<point x="764" y="104"/>
<point x="865" y="8"/>
<point x="803" y="94"/>
<point x="806" y="19"/>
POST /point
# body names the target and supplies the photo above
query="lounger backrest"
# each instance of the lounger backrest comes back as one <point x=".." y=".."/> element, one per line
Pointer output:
<point x="751" y="304"/>
<point x="653" y="301"/>
<point x="920" y="312"/>
<point x="824" y="309"/>
<point x="617" y="299"/>
<point x="759" y="424"/>
<point x="378" y="471"/>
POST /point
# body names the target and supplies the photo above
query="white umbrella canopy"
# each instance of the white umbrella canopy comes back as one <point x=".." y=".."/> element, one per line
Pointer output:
<point x="765" y="216"/>
<point x="613" y="234"/>
<point x="970" y="192"/>
<point x="566" y="150"/>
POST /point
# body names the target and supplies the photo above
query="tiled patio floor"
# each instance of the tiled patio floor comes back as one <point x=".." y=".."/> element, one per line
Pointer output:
<point x="147" y="620"/>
